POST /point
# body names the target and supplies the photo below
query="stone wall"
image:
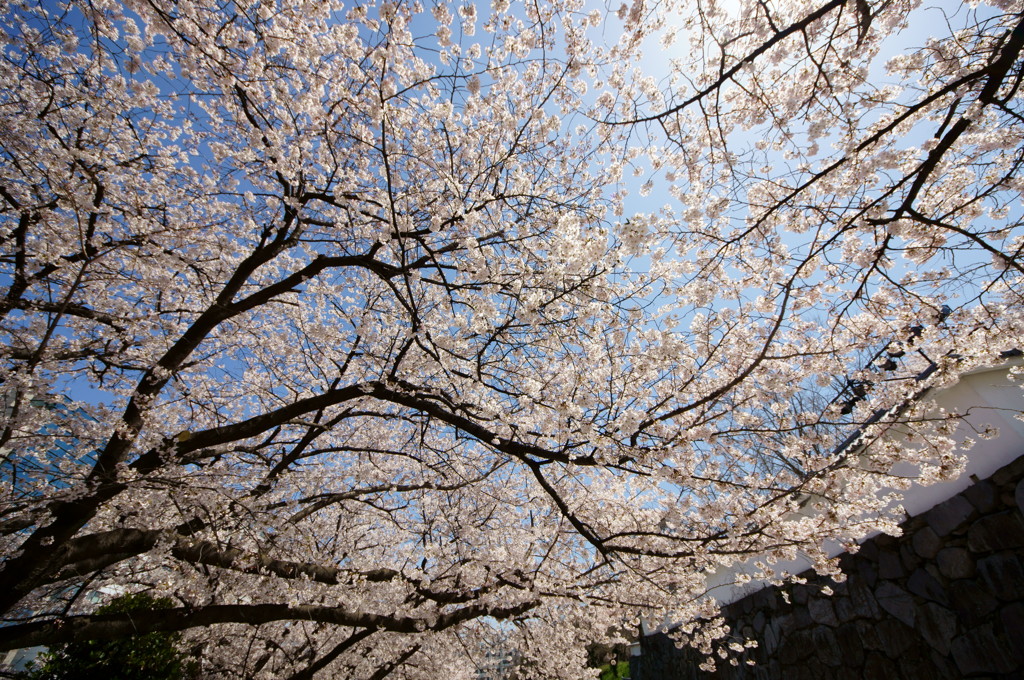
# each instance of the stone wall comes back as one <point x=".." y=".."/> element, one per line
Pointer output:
<point x="945" y="600"/>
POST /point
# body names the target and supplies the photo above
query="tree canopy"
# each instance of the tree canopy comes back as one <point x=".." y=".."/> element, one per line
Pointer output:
<point x="382" y="336"/>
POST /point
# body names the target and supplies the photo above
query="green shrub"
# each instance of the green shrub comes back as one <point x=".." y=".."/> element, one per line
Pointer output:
<point x="153" y="656"/>
<point x="617" y="671"/>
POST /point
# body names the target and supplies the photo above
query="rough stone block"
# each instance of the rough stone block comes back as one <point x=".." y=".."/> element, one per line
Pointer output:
<point x="1008" y="474"/>
<point x="897" y="602"/>
<point x="948" y="515"/>
<point x="889" y="565"/>
<point x="860" y="603"/>
<point x="1012" y="618"/>
<point x="983" y="495"/>
<point x="772" y="636"/>
<point x="980" y="650"/>
<point x="868" y="572"/>
<point x="971" y="602"/>
<point x="867" y="631"/>
<point x="774" y="670"/>
<point x="926" y="665"/>
<point x="1003" y="575"/>
<point x="869" y="549"/>
<point x="851" y="647"/>
<point x="764" y="599"/>
<point x="800" y="618"/>
<point x="896" y="638"/>
<point x="926" y="543"/>
<point x="923" y="584"/>
<point x="811" y="669"/>
<point x="909" y="558"/>
<point x="1002" y="531"/>
<point x="821" y="611"/>
<point x="795" y="647"/>
<point x="826" y="647"/>
<point x="937" y="625"/>
<point x="955" y="563"/>
<point x="758" y="622"/>
<point x="877" y="667"/>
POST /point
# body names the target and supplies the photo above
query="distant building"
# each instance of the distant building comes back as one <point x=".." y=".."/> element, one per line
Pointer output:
<point x="28" y="468"/>
<point x="27" y="471"/>
<point x="18" y="660"/>
<point x="498" y="665"/>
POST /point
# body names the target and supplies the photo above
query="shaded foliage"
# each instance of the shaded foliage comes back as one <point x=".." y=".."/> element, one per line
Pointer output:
<point x="151" y="656"/>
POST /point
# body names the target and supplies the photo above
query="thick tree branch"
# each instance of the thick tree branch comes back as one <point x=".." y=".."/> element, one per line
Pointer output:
<point x="113" y="626"/>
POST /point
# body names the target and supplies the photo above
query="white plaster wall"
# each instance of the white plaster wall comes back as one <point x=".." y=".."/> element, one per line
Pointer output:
<point x="987" y="397"/>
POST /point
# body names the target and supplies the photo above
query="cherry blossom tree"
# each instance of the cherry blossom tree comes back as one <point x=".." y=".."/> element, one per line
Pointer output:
<point x="353" y="330"/>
